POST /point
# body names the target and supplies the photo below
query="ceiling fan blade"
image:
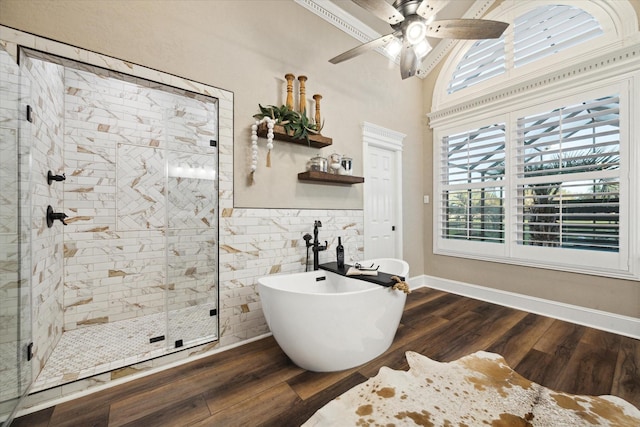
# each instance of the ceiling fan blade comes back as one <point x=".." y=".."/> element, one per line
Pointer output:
<point x="429" y="8"/>
<point x="409" y="61"/>
<point x="467" y="29"/>
<point x="373" y="44"/>
<point x="381" y="9"/>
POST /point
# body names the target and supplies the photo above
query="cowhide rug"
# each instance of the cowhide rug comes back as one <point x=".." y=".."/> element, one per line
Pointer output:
<point x="476" y="390"/>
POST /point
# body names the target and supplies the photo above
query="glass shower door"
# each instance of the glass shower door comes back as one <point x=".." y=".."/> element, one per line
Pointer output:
<point x="15" y="317"/>
<point x="192" y="222"/>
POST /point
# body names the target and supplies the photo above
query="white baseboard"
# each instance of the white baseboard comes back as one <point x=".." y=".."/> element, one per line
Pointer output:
<point x="610" y="322"/>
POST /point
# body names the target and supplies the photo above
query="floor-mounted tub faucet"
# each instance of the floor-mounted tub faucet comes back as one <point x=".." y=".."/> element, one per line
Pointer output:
<point x="317" y="247"/>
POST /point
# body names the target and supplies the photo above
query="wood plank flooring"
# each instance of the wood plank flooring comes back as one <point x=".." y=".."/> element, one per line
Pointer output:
<point x="257" y="385"/>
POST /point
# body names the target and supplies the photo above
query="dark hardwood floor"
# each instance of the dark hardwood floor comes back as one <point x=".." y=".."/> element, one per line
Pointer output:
<point x="256" y="384"/>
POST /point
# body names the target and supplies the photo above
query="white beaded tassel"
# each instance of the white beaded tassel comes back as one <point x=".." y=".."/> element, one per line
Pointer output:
<point x="254" y="143"/>
<point x="254" y="149"/>
<point x="270" y="125"/>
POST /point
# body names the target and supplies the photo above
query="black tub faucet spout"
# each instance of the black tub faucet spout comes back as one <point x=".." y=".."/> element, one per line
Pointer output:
<point x="317" y="247"/>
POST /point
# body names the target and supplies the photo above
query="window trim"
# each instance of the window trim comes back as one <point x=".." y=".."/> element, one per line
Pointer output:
<point x="623" y="264"/>
<point x="615" y="59"/>
<point x="598" y="260"/>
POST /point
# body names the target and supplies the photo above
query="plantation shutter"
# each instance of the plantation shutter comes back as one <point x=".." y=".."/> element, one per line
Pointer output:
<point x="541" y="32"/>
<point x="550" y="29"/>
<point x="472" y="176"/>
<point x="568" y="180"/>
<point x="484" y="60"/>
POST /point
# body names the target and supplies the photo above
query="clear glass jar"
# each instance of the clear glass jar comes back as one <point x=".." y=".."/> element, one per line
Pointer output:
<point x="318" y="164"/>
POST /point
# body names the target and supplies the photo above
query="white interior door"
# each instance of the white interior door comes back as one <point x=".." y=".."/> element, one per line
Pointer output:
<point x="380" y="201"/>
<point x="382" y="193"/>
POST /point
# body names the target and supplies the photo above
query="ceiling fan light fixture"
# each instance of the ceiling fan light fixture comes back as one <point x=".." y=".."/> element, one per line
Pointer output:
<point x="414" y="25"/>
<point x="422" y="49"/>
<point x="416" y="32"/>
<point x="393" y="48"/>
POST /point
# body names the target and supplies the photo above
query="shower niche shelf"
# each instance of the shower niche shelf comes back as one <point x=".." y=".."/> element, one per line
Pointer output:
<point x="325" y="177"/>
<point x="279" y="133"/>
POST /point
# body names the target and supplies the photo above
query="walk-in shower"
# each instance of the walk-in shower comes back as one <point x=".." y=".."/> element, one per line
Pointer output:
<point x="133" y="274"/>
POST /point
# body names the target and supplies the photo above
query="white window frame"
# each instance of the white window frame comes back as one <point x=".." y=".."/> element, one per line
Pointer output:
<point x="622" y="264"/>
<point x="613" y="60"/>
<point x="460" y="246"/>
<point x="563" y="257"/>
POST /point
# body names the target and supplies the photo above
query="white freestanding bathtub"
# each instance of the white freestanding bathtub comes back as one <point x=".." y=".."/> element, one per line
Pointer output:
<point x="333" y="323"/>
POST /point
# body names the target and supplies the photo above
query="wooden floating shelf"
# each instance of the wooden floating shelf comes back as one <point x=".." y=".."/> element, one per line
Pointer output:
<point x="329" y="177"/>
<point x="315" y="141"/>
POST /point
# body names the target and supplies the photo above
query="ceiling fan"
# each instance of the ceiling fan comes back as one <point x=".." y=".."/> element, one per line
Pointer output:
<point x="412" y="22"/>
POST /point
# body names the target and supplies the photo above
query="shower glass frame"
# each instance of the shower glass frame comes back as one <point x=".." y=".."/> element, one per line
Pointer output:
<point x="15" y="249"/>
<point x="187" y="288"/>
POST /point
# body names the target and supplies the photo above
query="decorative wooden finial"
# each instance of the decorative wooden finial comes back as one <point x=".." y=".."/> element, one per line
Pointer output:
<point x="289" y="78"/>
<point x="303" y="100"/>
<point x="317" y="97"/>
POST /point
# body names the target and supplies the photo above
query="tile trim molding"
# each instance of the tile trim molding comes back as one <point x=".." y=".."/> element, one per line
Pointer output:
<point x="598" y="319"/>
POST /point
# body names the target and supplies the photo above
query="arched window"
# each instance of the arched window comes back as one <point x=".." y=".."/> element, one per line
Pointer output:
<point x="538" y="33"/>
<point x="533" y="156"/>
<point x="550" y="29"/>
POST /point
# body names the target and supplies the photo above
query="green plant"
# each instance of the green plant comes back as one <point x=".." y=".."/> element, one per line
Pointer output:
<point x="295" y="124"/>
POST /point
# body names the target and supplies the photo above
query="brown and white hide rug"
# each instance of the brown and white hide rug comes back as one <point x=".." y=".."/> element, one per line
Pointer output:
<point x="477" y="390"/>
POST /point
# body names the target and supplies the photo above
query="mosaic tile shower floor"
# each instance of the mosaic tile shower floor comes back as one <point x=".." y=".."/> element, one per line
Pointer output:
<point x="8" y="371"/>
<point x="82" y="353"/>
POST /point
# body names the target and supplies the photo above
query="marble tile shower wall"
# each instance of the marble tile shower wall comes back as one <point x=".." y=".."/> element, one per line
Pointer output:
<point x="141" y="179"/>
<point x="46" y="96"/>
<point x="9" y="242"/>
<point x="9" y="93"/>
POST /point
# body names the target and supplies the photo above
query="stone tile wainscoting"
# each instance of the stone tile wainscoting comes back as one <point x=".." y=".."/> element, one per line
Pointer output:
<point x="258" y="242"/>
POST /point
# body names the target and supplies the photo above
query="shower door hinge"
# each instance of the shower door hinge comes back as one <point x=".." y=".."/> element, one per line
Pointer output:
<point x="213" y="312"/>
<point x="29" y="114"/>
<point x="156" y="339"/>
<point x="30" y="351"/>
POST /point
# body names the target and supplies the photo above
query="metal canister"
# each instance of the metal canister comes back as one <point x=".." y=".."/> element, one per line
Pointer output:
<point x="347" y="165"/>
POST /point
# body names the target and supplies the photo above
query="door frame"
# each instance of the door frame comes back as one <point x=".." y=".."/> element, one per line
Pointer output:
<point x="390" y="140"/>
